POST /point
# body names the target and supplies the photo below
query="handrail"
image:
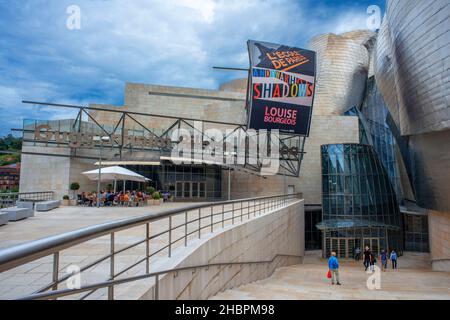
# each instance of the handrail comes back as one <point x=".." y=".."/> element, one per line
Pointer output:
<point x="23" y="253"/>
<point x="34" y="250"/>
<point x="28" y="192"/>
<point x="10" y="198"/>
<point x="104" y="284"/>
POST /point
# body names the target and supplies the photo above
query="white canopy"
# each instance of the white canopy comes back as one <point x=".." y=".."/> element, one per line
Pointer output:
<point x="115" y="173"/>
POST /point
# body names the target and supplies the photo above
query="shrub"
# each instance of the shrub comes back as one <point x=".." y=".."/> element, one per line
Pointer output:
<point x="66" y="197"/>
<point x="151" y="190"/>
<point x="74" y="186"/>
<point x="156" y="195"/>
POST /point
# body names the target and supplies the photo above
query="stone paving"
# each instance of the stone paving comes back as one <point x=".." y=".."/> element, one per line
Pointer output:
<point x="32" y="276"/>
<point x="412" y="280"/>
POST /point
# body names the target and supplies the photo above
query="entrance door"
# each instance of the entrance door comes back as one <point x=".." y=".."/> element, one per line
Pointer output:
<point x="344" y="247"/>
<point x="179" y="189"/>
<point x="194" y="189"/>
<point x="186" y="189"/>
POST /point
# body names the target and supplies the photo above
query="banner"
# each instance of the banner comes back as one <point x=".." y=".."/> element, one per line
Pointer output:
<point x="281" y="90"/>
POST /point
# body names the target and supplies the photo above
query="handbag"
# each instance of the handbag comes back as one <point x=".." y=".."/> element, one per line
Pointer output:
<point x="329" y="274"/>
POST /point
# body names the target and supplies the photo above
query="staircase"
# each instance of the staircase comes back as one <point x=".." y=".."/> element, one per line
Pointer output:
<point x="413" y="280"/>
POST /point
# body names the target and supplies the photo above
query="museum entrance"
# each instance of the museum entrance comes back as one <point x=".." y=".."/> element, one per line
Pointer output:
<point x="344" y="247"/>
<point x="190" y="190"/>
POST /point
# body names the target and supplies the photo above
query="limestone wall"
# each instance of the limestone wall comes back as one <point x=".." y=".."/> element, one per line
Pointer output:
<point x="439" y="231"/>
<point x="259" y="239"/>
<point x="45" y="173"/>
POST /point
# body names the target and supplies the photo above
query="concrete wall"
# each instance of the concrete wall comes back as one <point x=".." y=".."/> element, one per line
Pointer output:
<point x="439" y="230"/>
<point x="259" y="239"/>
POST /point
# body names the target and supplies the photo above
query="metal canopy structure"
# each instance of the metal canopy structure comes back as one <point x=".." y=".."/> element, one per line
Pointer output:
<point x="128" y="121"/>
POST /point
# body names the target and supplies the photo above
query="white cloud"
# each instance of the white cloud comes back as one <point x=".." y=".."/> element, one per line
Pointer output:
<point x="158" y="41"/>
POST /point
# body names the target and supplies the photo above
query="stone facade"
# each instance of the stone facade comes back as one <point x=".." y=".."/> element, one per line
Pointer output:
<point x="439" y="230"/>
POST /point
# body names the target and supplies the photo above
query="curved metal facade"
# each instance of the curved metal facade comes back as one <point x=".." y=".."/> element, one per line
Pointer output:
<point x="359" y="201"/>
<point x="412" y="70"/>
<point x="414" y="45"/>
<point x="342" y="68"/>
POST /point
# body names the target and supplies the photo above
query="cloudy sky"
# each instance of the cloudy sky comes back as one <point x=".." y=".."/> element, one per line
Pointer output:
<point x="166" y="42"/>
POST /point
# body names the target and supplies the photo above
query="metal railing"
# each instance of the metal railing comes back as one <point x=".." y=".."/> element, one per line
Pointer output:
<point x="9" y="199"/>
<point x="218" y="215"/>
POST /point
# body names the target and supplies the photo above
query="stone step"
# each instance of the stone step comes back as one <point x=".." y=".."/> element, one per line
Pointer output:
<point x="413" y="280"/>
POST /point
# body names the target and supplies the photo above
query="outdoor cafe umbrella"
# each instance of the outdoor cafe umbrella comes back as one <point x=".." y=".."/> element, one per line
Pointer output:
<point x="115" y="173"/>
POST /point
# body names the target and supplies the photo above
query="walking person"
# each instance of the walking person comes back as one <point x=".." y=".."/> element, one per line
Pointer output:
<point x="393" y="258"/>
<point x="333" y="266"/>
<point x="383" y="260"/>
<point x="367" y="257"/>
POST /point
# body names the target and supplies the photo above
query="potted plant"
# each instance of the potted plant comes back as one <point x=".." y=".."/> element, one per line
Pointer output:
<point x="66" y="200"/>
<point x="150" y="190"/>
<point x="156" y="197"/>
<point x="74" y="186"/>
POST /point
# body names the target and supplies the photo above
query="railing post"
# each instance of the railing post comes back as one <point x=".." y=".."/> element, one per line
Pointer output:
<point x="170" y="236"/>
<point x="212" y="219"/>
<point x="147" y="247"/>
<point x="185" y="228"/>
<point x="111" y="268"/>
<point x="223" y="215"/>
<point x="157" y="287"/>
<point x="242" y="203"/>
<point x="55" y="273"/>
<point x="199" y="223"/>
<point x="232" y="213"/>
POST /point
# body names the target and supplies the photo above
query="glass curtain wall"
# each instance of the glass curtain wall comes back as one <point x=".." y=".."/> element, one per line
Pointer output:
<point x="184" y="182"/>
<point x="359" y="203"/>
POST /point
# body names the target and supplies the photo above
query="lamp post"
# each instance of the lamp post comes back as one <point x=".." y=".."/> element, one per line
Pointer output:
<point x="101" y="140"/>
<point x="226" y="153"/>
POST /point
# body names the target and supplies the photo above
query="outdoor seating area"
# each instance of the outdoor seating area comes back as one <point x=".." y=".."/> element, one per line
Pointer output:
<point x="129" y="198"/>
<point x="110" y="196"/>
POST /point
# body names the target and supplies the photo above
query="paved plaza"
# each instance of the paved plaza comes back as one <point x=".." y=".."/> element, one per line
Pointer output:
<point x="413" y="280"/>
<point x="32" y="276"/>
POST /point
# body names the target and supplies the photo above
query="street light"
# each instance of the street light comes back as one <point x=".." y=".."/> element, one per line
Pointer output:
<point x="101" y="140"/>
<point x="227" y="153"/>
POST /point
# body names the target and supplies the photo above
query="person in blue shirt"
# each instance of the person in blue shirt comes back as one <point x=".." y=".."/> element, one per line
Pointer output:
<point x="383" y="259"/>
<point x="393" y="258"/>
<point x="333" y="265"/>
